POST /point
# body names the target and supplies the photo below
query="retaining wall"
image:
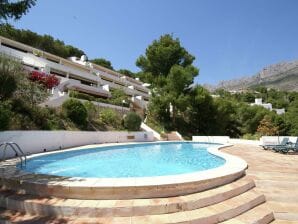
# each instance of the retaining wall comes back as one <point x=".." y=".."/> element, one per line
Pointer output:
<point x="39" y="141"/>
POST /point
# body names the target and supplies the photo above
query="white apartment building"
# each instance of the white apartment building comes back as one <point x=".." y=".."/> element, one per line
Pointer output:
<point x="77" y="73"/>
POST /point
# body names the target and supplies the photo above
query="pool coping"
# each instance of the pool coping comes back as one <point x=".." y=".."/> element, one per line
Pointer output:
<point x="233" y="165"/>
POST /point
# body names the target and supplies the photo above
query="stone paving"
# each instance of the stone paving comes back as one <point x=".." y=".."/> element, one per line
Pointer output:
<point x="275" y="175"/>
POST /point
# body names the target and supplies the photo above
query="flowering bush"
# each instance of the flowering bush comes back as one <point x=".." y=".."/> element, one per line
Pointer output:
<point x="48" y="81"/>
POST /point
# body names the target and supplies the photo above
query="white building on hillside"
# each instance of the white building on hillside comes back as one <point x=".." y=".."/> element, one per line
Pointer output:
<point x="259" y="102"/>
<point x="268" y="106"/>
<point x="77" y="73"/>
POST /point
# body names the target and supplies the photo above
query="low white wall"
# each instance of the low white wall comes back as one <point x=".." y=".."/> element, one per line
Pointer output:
<point x="244" y="141"/>
<point x="264" y="140"/>
<point x="212" y="139"/>
<point x="36" y="141"/>
<point x="224" y="140"/>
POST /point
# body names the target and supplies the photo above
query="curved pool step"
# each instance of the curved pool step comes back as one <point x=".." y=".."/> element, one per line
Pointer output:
<point x="51" y="206"/>
<point x="211" y="214"/>
<point x="260" y="214"/>
<point x="64" y="187"/>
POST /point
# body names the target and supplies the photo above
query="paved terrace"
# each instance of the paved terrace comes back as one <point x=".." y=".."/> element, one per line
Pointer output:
<point x="276" y="175"/>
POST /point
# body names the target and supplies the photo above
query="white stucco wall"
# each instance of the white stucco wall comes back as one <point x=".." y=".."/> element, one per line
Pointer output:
<point x="212" y="139"/>
<point x="264" y="140"/>
<point x="36" y="141"/>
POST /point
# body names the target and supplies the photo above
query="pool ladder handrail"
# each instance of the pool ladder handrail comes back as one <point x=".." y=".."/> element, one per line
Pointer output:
<point x="17" y="149"/>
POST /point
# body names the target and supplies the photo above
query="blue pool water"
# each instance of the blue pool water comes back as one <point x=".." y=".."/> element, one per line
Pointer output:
<point x="139" y="160"/>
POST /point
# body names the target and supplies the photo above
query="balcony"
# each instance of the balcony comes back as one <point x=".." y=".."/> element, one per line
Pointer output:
<point x="72" y="84"/>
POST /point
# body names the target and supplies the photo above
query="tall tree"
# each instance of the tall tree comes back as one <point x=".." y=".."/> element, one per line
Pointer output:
<point x="167" y="66"/>
<point x="266" y="127"/>
<point x="160" y="57"/>
<point x="14" y="9"/>
<point x="202" y="112"/>
<point x="102" y="62"/>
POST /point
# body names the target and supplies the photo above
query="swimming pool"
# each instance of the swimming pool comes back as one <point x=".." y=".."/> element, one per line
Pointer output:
<point x="38" y="179"/>
<point x="131" y="160"/>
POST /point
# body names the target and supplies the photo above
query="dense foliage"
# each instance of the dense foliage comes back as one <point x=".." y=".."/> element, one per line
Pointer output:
<point x="75" y="110"/>
<point x="118" y="98"/>
<point x="167" y="66"/>
<point x="43" y="42"/>
<point x="127" y="73"/>
<point x="9" y="74"/>
<point x="192" y="110"/>
<point x="132" y="121"/>
<point x="14" y="9"/>
<point x="102" y="62"/>
<point x="111" y="118"/>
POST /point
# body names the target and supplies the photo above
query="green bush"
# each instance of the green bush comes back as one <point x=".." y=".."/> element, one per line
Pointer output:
<point x="249" y="136"/>
<point x="83" y="96"/>
<point x="75" y="111"/>
<point x="111" y="118"/>
<point x="91" y="110"/>
<point x="10" y="71"/>
<point x="5" y="114"/>
<point x="132" y="121"/>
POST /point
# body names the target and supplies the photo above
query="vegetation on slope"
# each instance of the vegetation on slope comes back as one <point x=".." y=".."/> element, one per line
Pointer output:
<point x="43" y="42"/>
<point x="20" y="97"/>
<point x="193" y="111"/>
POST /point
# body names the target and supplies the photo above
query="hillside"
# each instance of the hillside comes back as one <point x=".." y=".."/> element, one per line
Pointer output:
<point x="281" y="76"/>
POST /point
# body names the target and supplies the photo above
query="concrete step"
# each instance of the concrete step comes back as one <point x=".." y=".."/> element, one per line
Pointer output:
<point x="284" y="210"/>
<point x="173" y="136"/>
<point x="9" y="217"/>
<point x="211" y="214"/>
<point x="51" y="206"/>
<point x="259" y="215"/>
<point x="279" y="184"/>
<point x="279" y="221"/>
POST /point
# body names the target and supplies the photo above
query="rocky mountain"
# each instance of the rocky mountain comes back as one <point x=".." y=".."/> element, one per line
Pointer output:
<point x="282" y="76"/>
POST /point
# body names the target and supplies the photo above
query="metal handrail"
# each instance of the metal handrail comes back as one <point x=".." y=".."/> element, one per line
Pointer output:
<point x="17" y="149"/>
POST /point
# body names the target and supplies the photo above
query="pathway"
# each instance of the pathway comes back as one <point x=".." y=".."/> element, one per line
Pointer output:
<point x="276" y="175"/>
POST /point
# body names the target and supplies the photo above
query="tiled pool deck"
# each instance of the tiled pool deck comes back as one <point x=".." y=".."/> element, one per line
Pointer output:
<point x="275" y="175"/>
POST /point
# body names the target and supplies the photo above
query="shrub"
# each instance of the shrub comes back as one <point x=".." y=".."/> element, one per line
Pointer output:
<point x="75" y="111"/>
<point x="110" y="117"/>
<point x="91" y="110"/>
<point x="83" y="96"/>
<point x="10" y="71"/>
<point x="5" y="114"/>
<point x="119" y="98"/>
<point x="132" y="121"/>
<point x="48" y="81"/>
<point x="266" y="127"/>
<point x="249" y="136"/>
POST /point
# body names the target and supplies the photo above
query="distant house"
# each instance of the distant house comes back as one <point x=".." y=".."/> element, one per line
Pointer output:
<point x="268" y="106"/>
<point x="259" y="102"/>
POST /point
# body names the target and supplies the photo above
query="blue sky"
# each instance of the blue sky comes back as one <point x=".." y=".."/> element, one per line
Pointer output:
<point x="229" y="38"/>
